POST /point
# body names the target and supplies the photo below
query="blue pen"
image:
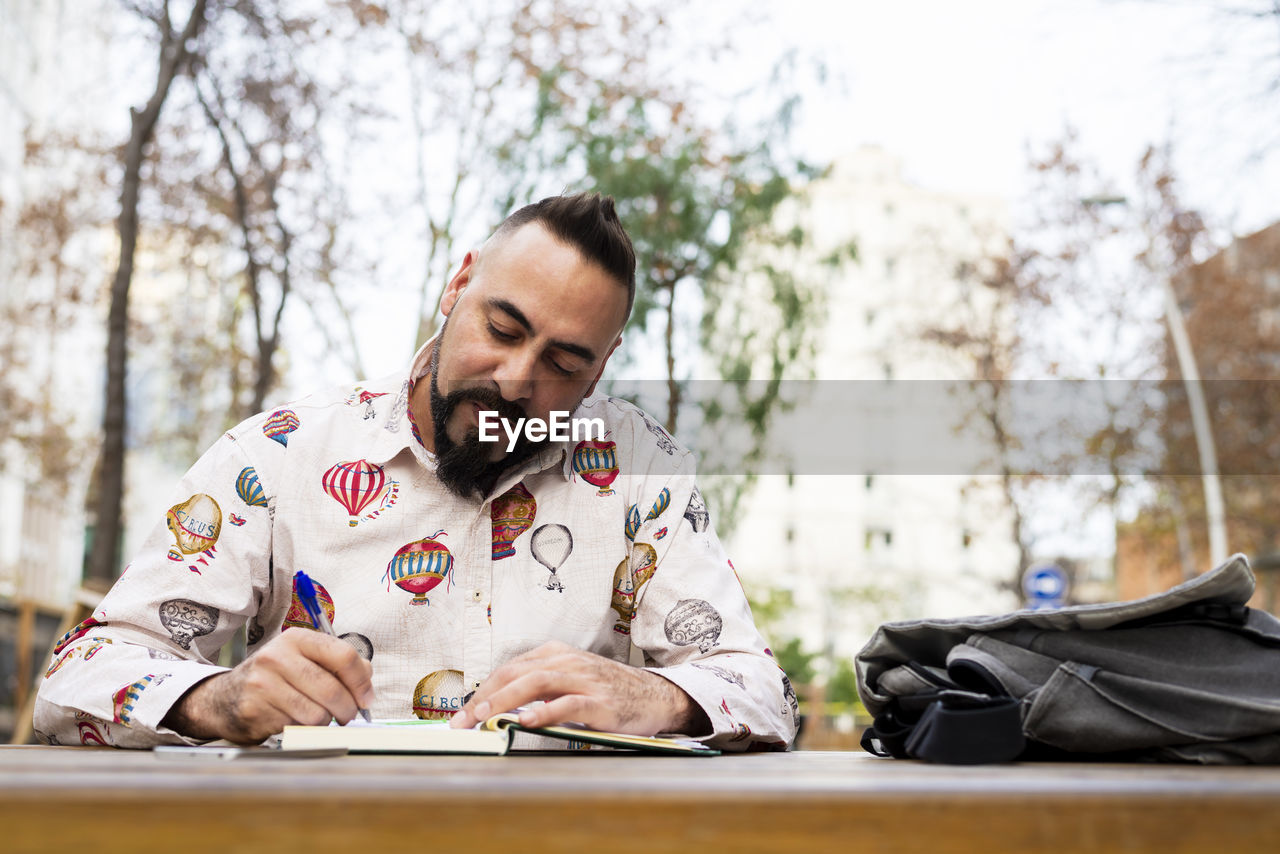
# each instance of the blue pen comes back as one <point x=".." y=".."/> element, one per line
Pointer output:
<point x="307" y="595"/>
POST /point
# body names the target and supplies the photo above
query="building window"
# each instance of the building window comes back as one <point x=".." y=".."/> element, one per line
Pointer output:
<point x="872" y="536"/>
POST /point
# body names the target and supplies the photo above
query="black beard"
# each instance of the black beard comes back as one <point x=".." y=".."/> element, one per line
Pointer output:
<point x="464" y="467"/>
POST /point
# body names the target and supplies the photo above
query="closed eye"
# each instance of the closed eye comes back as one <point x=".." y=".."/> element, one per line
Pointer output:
<point x="560" y="369"/>
<point x="499" y="334"/>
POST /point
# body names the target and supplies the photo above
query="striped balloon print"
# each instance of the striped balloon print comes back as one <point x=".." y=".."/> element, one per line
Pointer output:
<point x="355" y="485"/>
<point x="249" y="489"/>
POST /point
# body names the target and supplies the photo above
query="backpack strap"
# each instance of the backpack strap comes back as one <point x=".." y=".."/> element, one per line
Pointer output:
<point x="948" y="726"/>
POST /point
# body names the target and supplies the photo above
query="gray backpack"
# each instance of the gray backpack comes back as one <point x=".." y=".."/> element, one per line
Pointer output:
<point x="1189" y="675"/>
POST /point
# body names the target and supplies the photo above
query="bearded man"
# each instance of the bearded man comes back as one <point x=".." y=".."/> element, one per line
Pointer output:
<point x="464" y="576"/>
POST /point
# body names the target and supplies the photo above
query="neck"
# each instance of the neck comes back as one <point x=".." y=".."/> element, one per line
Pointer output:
<point x="420" y="406"/>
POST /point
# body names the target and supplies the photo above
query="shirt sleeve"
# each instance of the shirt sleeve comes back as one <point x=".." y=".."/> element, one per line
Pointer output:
<point x="692" y="620"/>
<point x="202" y="571"/>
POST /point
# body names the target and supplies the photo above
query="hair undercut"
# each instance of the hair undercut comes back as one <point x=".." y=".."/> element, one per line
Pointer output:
<point x="589" y="223"/>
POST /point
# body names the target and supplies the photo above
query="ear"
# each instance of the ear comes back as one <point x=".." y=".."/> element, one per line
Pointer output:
<point x="459" y="282"/>
<point x="591" y="389"/>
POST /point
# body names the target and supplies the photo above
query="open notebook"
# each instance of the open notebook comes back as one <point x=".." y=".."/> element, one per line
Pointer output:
<point x="493" y="736"/>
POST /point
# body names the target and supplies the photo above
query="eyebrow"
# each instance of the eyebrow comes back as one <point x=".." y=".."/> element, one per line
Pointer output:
<point x="517" y="315"/>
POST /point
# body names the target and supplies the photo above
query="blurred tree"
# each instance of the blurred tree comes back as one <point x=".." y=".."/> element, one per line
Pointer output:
<point x="476" y="83"/>
<point x="1230" y="298"/>
<point x="719" y="270"/>
<point x="243" y="208"/>
<point x="1085" y="283"/>
<point x="1063" y="309"/>
<point x="796" y="662"/>
<point x="770" y="606"/>
<point x="985" y="334"/>
<point x="241" y="213"/>
<point x="259" y="175"/>
<point x="842" y="686"/>
<point x="174" y="54"/>
<point x="52" y="275"/>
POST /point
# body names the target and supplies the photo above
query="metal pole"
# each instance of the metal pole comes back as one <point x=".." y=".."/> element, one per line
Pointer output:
<point x="1213" y="504"/>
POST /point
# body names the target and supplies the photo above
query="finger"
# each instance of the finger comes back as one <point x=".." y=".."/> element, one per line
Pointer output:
<point x="536" y="685"/>
<point x="552" y="656"/>
<point x="296" y="707"/>
<point x="323" y="689"/>
<point x="480" y="704"/>
<point x="578" y="708"/>
<point x="340" y="659"/>
<point x="264" y="703"/>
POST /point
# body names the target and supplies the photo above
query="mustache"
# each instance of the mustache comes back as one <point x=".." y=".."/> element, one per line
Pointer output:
<point x="488" y="398"/>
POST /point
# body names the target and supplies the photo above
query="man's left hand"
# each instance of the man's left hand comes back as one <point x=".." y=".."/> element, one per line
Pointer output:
<point x="587" y="688"/>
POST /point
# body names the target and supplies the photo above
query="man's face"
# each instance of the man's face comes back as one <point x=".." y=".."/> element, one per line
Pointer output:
<point x="530" y="325"/>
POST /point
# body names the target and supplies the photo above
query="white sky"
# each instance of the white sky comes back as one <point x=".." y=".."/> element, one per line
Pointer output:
<point x="959" y="90"/>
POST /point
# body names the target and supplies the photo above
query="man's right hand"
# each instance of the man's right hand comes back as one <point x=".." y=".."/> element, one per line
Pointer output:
<point x="300" y="677"/>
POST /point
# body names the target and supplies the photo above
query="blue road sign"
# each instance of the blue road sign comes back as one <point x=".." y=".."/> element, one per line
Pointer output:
<point x="1045" y="586"/>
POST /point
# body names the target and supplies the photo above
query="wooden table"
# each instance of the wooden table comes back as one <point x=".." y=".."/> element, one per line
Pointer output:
<point x="102" y="800"/>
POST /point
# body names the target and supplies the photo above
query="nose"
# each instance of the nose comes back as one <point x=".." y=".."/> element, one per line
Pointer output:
<point x="514" y="374"/>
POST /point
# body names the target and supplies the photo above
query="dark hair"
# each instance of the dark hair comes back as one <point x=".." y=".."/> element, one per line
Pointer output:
<point x="589" y="223"/>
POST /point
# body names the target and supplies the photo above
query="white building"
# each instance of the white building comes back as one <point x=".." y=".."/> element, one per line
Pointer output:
<point x="907" y="523"/>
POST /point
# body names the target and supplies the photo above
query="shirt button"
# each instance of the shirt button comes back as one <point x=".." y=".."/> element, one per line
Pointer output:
<point x="478" y="595"/>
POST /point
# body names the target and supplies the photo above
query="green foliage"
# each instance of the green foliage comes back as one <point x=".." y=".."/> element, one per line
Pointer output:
<point x="713" y="216"/>
<point x="796" y="662"/>
<point x="769" y="607"/>
<point x="842" y="687"/>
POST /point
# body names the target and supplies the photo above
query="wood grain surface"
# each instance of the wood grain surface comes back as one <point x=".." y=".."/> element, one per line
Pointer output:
<point x="104" y="800"/>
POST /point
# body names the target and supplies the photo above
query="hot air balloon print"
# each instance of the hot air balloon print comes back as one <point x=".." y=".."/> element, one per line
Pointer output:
<point x="694" y="621"/>
<point x="122" y="701"/>
<point x="297" y="617"/>
<point x="354" y="485"/>
<point x="281" y="423"/>
<point x="195" y="524"/>
<point x="360" y="643"/>
<point x="91" y="735"/>
<point x="697" y="514"/>
<point x="419" y="566"/>
<point x="249" y="489"/>
<point x="660" y="504"/>
<point x="632" y="574"/>
<point x="551" y="546"/>
<point x="632" y="527"/>
<point x="438" y="695"/>
<point x="511" y="514"/>
<point x="363" y="396"/>
<point x="597" y="462"/>
<point x="77" y="632"/>
<point x="187" y="620"/>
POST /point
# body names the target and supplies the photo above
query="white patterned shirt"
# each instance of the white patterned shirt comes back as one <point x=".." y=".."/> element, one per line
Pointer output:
<point x="606" y="546"/>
